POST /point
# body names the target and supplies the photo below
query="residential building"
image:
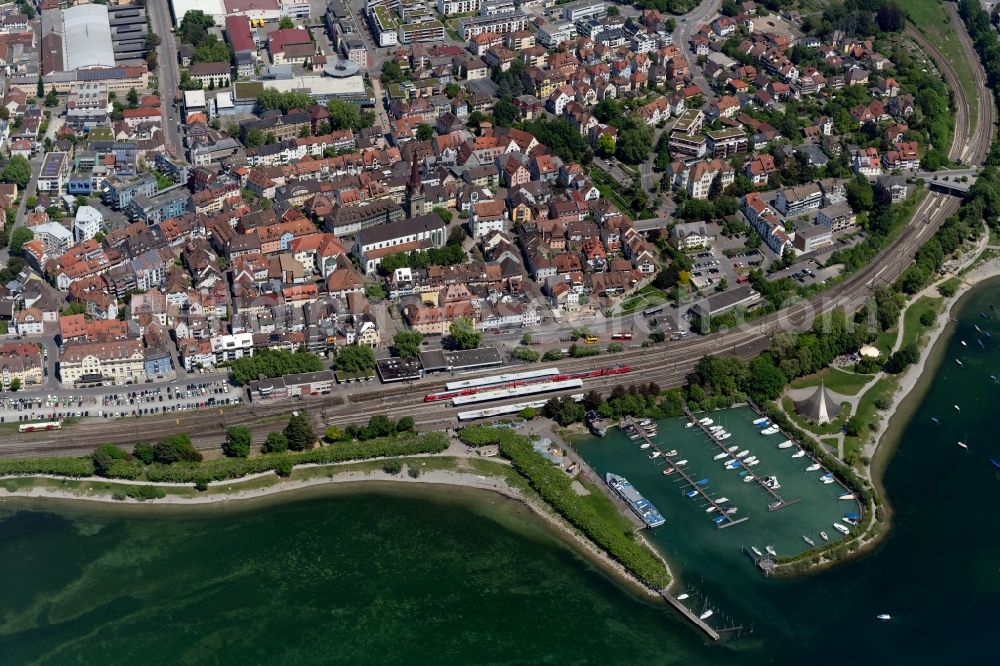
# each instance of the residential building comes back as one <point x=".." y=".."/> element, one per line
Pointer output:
<point x="792" y="201"/>
<point x="54" y="172"/>
<point x="811" y="238"/>
<point x="837" y="217"/>
<point x="102" y="363"/>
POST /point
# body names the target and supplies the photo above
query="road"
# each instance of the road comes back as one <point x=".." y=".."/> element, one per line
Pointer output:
<point x="687" y="25"/>
<point x="36" y="166"/>
<point x="168" y="73"/>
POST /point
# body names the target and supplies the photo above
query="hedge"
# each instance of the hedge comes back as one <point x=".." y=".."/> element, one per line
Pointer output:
<point x="554" y="487"/>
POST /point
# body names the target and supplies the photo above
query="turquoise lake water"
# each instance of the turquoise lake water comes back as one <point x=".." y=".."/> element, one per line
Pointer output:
<point x="379" y="576"/>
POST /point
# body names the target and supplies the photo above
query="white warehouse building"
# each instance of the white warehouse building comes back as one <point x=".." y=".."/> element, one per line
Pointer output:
<point x="87" y="38"/>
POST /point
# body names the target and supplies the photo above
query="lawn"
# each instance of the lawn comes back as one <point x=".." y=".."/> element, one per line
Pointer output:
<point x="929" y="16"/>
<point x="605" y="508"/>
<point x="882" y="390"/>
<point x="913" y="330"/>
<point x="838" y="381"/>
<point x="885" y="341"/>
<point x="646" y="297"/>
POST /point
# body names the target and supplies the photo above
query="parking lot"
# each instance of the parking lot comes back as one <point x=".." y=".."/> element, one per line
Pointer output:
<point x="174" y="397"/>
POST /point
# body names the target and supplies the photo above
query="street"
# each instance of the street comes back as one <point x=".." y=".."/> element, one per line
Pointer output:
<point x="686" y="27"/>
<point x="167" y="73"/>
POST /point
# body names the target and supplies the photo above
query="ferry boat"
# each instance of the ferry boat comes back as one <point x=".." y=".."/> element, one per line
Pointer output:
<point x="808" y="541"/>
<point x="639" y="504"/>
<point x="756" y="551"/>
<point x="884" y="617"/>
<point x="721" y="456"/>
<point x="787" y="444"/>
<point x="671" y="453"/>
<point x="718" y="520"/>
<point x="824" y="536"/>
<point x="761" y="421"/>
<point x="707" y="614"/>
<point x="743" y="454"/>
<point x="773" y="430"/>
<point x="840" y="528"/>
<point x="799" y="453"/>
<point x="748" y="478"/>
<point x="771" y="551"/>
<point x="847" y="496"/>
<point x="813" y="467"/>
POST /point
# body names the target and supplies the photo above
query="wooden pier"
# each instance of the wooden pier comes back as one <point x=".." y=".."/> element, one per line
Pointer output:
<point x="719" y="508"/>
<point x="778" y="502"/>
<point x="689" y="614"/>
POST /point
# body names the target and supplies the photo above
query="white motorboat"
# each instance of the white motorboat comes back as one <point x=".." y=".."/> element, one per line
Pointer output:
<point x="824" y="536"/>
<point x="645" y="422"/>
<point x="772" y="482"/>
<point x="721" y="456"/>
<point x="756" y="551"/>
<point x="826" y="480"/>
<point x="681" y="463"/>
<point x="714" y="428"/>
<point x="732" y="448"/>
<point x="799" y="453"/>
<point x="773" y="430"/>
<point x="808" y="541"/>
<point x="671" y="453"/>
<point x="729" y="462"/>
<point x="710" y="509"/>
<point x="957" y="408"/>
<point x="885" y="617"/>
<point x="634" y="437"/>
<point x="959" y="362"/>
<point x="707" y="614"/>
<point x="748" y="478"/>
<point x="760" y="421"/>
<point x="751" y="459"/>
<point x="841" y="528"/>
<point x="722" y="500"/>
<point x="682" y="597"/>
<point x="706" y="421"/>
<point x="689" y="424"/>
<point x="963" y="343"/>
<point x="723" y="437"/>
<point x="787" y="444"/>
<point x="743" y="454"/>
<point x="963" y="445"/>
<point x="656" y="454"/>
<point x="813" y="467"/>
<point x="731" y="510"/>
<point x="847" y="496"/>
<point x="751" y="464"/>
<point x="771" y="551"/>
<point x="645" y="446"/>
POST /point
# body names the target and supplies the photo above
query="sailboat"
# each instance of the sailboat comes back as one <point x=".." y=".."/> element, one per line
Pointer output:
<point x="682" y="597"/>
<point x="957" y="408"/>
<point x="707" y="614"/>
<point x="884" y="617"/>
<point x="824" y="536"/>
<point x="935" y="420"/>
<point x="963" y="445"/>
<point x="963" y="343"/>
<point x="646" y="445"/>
<point x="959" y="362"/>
<point x="799" y="453"/>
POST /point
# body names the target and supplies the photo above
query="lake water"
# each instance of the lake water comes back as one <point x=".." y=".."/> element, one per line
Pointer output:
<point x="376" y="576"/>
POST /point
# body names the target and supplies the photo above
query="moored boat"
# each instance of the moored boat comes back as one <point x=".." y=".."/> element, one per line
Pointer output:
<point x="641" y="506"/>
<point x="707" y="614"/>
<point x="813" y="467"/>
<point x="682" y="597"/>
<point x="718" y="519"/>
<point x="710" y="509"/>
<point x="824" y="536"/>
<point x="884" y="616"/>
<point x="748" y="478"/>
<point x="773" y="430"/>
<point x="681" y="463"/>
<point x="655" y="454"/>
<point x="720" y="456"/>
<point x="751" y="459"/>
<point x="753" y="462"/>
<point x="762" y="420"/>
<point x="787" y="444"/>
<point x="732" y="448"/>
<point x="701" y="482"/>
<point x="705" y="421"/>
<point x="671" y="453"/>
<point x="841" y="528"/>
<point x="808" y="540"/>
<point x="668" y="470"/>
<point x="714" y="428"/>
<point x="847" y="496"/>
<point x="691" y="493"/>
<point x="645" y="445"/>
<point x="799" y="453"/>
<point x="731" y="510"/>
<point x="743" y="454"/>
<point x="771" y="551"/>
<point x="722" y="500"/>
<point x="756" y="551"/>
<point x="724" y="436"/>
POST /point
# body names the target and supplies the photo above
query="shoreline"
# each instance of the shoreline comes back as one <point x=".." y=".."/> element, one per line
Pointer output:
<point x="36" y="498"/>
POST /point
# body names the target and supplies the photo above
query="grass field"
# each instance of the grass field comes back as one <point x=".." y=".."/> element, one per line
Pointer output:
<point x="646" y="297"/>
<point x="882" y="389"/>
<point x="913" y="330"/>
<point x="929" y="16"/>
<point x="885" y="341"/>
<point x="838" y="381"/>
<point x="605" y="508"/>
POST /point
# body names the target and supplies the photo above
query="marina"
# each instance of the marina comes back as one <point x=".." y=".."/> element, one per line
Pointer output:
<point x="778" y="502"/>
<point x="696" y="487"/>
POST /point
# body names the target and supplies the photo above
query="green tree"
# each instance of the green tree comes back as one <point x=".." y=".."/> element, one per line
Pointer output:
<point x="407" y="343"/>
<point x="104" y="456"/>
<point x="424" y="132"/>
<point x="255" y="138"/>
<point x="18" y="238"/>
<point x="765" y="381"/>
<point x="405" y="424"/>
<point x="606" y="144"/>
<point x="355" y="358"/>
<point x="144" y="451"/>
<point x="15" y="384"/>
<point x="175" y="448"/>
<point x="276" y="442"/>
<point x="464" y="334"/>
<point x="525" y="354"/>
<point x="635" y="141"/>
<point x="343" y="115"/>
<point x="40" y="88"/>
<point x="132" y="97"/>
<point x="286" y="23"/>
<point x="16" y="171"/>
<point x="452" y="90"/>
<point x="194" y="27"/>
<point x="333" y="434"/>
<point x="504" y="112"/>
<point x="860" y="195"/>
<point x="446" y="216"/>
<point x="51" y="98"/>
<point x="237" y="444"/>
<point x="299" y="433"/>
<point x="392" y="72"/>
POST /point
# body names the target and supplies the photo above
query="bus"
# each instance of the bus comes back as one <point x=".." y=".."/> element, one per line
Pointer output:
<point x="649" y="312"/>
<point x="591" y="339"/>
<point x="40" y="427"/>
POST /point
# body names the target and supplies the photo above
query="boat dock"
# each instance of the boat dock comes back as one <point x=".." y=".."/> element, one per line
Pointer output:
<point x="765" y="564"/>
<point x="778" y="502"/>
<point x="690" y="615"/>
<point x="691" y="481"/>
